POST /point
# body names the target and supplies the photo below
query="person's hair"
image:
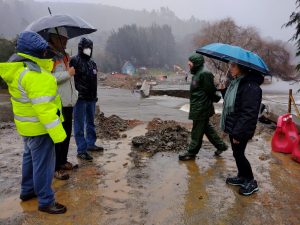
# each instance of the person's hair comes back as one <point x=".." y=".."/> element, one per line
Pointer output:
<point x="247" y="71"/>
<point x="50" y="36"/>
<point x="244" y="70"/>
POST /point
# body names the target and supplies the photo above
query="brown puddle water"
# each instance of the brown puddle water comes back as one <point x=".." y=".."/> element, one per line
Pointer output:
<point x="121" y="187"/>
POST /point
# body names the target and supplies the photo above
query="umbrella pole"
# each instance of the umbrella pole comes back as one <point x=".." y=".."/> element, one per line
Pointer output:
<point x="60" y="41"/>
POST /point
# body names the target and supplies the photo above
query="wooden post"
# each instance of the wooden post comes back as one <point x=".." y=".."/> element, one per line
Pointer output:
<point x="295" y="106"/>
<point x="290" y="101"/>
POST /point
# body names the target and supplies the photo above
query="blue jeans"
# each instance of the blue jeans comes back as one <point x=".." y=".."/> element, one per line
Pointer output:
<point x="84" y="114"/>
<point x="38" y="168"/>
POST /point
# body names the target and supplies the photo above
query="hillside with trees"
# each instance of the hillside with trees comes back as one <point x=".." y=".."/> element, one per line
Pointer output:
<point x="104" y="18"/>
<point x="157" y="39"/>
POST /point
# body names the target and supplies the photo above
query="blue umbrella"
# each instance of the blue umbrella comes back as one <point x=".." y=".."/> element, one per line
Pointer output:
<point x="236" y="54"/>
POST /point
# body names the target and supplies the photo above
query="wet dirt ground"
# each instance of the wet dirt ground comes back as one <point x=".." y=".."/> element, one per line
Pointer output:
<point x="123" y="187"/>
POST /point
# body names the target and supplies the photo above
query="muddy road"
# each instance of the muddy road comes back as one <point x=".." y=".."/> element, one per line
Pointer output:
<point x="124" y="186"/>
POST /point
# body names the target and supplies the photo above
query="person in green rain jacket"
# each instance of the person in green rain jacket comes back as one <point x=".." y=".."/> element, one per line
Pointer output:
<point x="202" y="96"/>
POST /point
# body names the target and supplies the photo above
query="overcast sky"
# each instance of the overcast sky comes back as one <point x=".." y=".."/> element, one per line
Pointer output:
<point x="267" y="15"/>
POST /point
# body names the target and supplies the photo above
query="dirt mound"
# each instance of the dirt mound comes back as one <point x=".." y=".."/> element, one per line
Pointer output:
<point x="162" y="136"/>
<point x="110" y="127"/>
<point x="125" y="82"/>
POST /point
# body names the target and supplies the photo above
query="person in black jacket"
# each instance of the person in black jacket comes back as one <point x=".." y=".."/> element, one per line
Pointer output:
<point x="84" y="110"/>
<point x="239" y="117"/>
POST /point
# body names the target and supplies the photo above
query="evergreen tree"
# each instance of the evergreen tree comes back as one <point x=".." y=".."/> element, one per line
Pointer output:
<point x="295" y="20"/>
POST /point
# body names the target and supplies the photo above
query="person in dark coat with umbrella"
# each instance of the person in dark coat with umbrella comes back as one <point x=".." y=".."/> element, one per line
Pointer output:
<point x="64" y="75"/>
<point x="239" y="117"/>
<point x="202" y="95"/>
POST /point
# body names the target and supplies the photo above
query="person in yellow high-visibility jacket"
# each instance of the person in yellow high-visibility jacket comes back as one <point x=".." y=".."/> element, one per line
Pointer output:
<point x="37" y="115"/>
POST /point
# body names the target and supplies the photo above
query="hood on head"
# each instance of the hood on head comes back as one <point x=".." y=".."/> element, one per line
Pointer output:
<point x="85" y="43"/>
<point x="31" y="43"/>
<point x="198" y="61"/>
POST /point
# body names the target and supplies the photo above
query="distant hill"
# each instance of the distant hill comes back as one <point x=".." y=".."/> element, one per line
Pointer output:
<point x="15" y="15"/>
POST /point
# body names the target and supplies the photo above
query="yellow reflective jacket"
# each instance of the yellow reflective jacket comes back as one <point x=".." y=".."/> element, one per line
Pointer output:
<point x="36" y="104"/>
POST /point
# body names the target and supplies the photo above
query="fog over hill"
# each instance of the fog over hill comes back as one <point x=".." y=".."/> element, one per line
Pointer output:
<point x="18" y="14"/>
<point x="109" y="15"/>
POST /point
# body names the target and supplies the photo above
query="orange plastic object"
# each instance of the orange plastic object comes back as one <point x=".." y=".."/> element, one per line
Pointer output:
<point x="285" y="138"/>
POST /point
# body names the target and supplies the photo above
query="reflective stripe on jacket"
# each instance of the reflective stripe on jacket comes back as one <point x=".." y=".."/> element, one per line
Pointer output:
<point x="36" y="104"/>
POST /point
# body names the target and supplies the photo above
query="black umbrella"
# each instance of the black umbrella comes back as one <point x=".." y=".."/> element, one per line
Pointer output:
<point x="74" y="25"/>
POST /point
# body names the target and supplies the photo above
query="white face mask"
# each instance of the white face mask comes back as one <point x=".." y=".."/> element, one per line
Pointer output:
<point x="87" y="51"/>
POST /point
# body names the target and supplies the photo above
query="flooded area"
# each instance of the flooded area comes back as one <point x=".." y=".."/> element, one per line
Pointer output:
<point x="126" y="186"/>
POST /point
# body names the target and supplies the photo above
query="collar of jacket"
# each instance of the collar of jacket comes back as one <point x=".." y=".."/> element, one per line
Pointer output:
<point x="46" y="64"/>
<point x="9" y="70"/>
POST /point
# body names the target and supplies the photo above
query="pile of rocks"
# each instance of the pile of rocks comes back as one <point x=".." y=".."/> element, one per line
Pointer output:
<point x="110" y="127"/>
<point x="162" y="136"/>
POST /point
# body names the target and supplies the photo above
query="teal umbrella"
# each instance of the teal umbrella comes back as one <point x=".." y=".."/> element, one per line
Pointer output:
<point x="236" y="54"/>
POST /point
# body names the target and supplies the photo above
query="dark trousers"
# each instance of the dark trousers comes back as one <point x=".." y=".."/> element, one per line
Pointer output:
<point x="201" y="127"/>
<point x="242" y="163"/>
<point x="61" y="149"/>
<point x="38" y="168"/>
<point x="84" y="126"/>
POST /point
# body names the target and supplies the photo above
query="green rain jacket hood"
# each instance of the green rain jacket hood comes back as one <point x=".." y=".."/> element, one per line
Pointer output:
<point x="198" y="62"/>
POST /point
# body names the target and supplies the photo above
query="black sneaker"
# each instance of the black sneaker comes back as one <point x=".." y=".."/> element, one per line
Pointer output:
<point x="85" y="156"/>
<point x="27" y="197"/>
<point x="236" y="181"/>
<point x="186" y="156"/>
<point x="95" y="148"/>
<point x="249" y="188"/>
